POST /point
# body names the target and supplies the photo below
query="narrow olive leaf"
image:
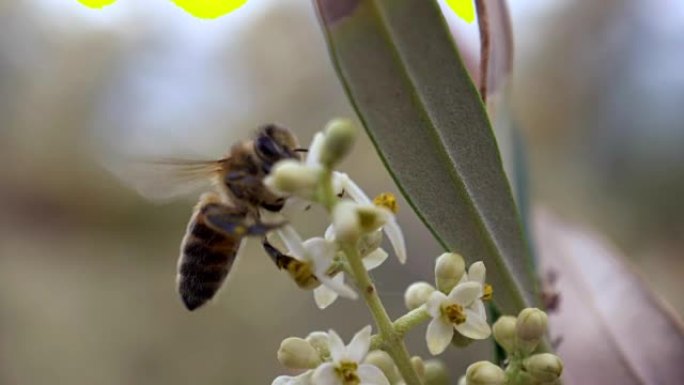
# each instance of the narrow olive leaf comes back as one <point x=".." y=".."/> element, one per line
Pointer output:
<point x="406" y="80"/>
<point x="612" y="329"/>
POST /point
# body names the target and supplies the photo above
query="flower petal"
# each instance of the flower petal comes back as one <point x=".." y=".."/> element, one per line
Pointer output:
<point x="283" y="380"/>
<point x="324" y="296"/>
<point x="477" y="272"/>
<point x="330" y="233"/>
<point x="465" y="293"/>
<point x="293" y="242"/>
<point x="320" y="249"/>
<point x="351" y="188"/>
<point x="474" y="327"/>
<point x="371" y="375"/>
<point x="439" y="335"/>
<point x="337" y="349"/>
<point x="396" y="238"/>
<point x="313" y="155"/>
<point x="338" y="287"/>
<point x="302" y="379"/>
<point x="434" y="303"/>
<point x="358" y="347"/>
<point x="479" y="308"/>
<point x="374" y="259"/>
<point x="325" y="375"/>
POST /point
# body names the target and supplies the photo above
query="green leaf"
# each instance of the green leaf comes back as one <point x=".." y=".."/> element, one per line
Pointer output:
<point x="406" y="81"/>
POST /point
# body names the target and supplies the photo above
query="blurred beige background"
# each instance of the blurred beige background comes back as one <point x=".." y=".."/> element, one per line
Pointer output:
<point x="87" y="267"/>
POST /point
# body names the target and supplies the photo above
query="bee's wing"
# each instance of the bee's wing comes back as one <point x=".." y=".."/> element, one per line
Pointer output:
<point x="161" y="180"/>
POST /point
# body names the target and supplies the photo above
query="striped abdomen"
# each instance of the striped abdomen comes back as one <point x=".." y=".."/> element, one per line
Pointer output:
<point x="206" y="258"/>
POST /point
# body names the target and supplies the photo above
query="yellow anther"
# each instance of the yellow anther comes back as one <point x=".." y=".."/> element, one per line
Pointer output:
<point x="454" y="313"/>
<point x="388" y="201"/>
<point x="239" y="230"/>
<point x="347" y="372"/>
<point x="488" y="292"/>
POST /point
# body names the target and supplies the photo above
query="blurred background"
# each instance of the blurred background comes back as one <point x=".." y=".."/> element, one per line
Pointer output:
<point x="87" y="266"/>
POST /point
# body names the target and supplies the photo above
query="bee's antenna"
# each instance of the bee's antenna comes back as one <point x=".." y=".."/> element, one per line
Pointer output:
<point x="301" y="150"/>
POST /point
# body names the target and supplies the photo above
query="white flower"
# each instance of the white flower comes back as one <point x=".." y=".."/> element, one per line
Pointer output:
<point x="302" y="379"/>
<point x="455" y="311"/>
<point x="342" y="182"/>
<point x="317" y="254"/>
<point x="372" y="256"/>
<point x="302" y="179"/>
<point x="477" y="273"/>
<point x="346" y="367"/>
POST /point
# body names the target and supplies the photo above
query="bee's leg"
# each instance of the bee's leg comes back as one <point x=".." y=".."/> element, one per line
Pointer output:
<point x="233" y="221"/>
<point x="281" y="259"/>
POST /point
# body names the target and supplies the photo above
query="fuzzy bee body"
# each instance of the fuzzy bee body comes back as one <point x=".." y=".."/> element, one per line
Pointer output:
<point x="207" y="254"/>
<point x="223" y="218"/>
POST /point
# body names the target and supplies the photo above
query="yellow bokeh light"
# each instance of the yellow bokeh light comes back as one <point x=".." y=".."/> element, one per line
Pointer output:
<point x="209" y="9"/>
<point x="96" y="3"/>
<point x="465" y="9"/>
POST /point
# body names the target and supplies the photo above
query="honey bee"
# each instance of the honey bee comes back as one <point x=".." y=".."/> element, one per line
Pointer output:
<point x="224" y="217"/>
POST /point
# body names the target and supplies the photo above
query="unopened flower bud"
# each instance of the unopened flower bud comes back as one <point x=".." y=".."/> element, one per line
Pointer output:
<point x="449" y="269"/>
<point x="369" y="242"/>
<point x="296" y="353"/>
<point x="436" y="373"/>
<point x="292" y="177"/>
<point x="351" y="220"/>
<point x="340" y="135"/>
<point x="385" y="363"/>
<point x="485" y="373"/>
<point x="418" y="366"/>
<point x="530" y="328"/>
<point x="544" y="367"/>
<point x="319" y="341"/>
<point x="417" y="294"/>
<point x="505" y="333"/>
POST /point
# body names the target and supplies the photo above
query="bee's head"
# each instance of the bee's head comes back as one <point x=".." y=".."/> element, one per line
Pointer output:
<point x="274" y="143"/>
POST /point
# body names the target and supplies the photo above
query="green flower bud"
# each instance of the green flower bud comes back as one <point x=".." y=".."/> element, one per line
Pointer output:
<point x="385" y="363"/>
<point x="296" y="353"/>
<point x="417" y="294"/>
<point x="436" y="373"/>
<point x="449" y="269"/>
<point x="340" y="135"/>
<point x="530" y="329"/>
<point x="352" y="220"/>
<point x="369" y="242"/>
<point x="319" y="341"/>
<point x="485" y="373"/>
<point x="292" y="177"/>
<point x="505" y="332"/>
<point x="544" y="367"/>
<point x="418" y="366"/>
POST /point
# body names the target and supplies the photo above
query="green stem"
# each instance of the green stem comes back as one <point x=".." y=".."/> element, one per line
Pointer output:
<point x="392" y="340"/>
<point x="402" y="325"/>
<point x="327" y="194"/>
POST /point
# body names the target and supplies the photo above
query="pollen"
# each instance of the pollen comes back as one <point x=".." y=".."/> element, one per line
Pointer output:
<point x="346" y="371"/>
<point x="488" y="292"/>
<point x="454" y="313"/>
<point x="388" y="201"/>
<point x="302" y="274"/>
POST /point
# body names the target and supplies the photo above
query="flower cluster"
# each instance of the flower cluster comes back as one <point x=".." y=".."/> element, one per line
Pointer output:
<point x="456" y="304"/>
<point x="357" y="220"/>
<point x="519" y="337"/>
<point x="350" y="246"/>
<point x="328" y="361"/>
